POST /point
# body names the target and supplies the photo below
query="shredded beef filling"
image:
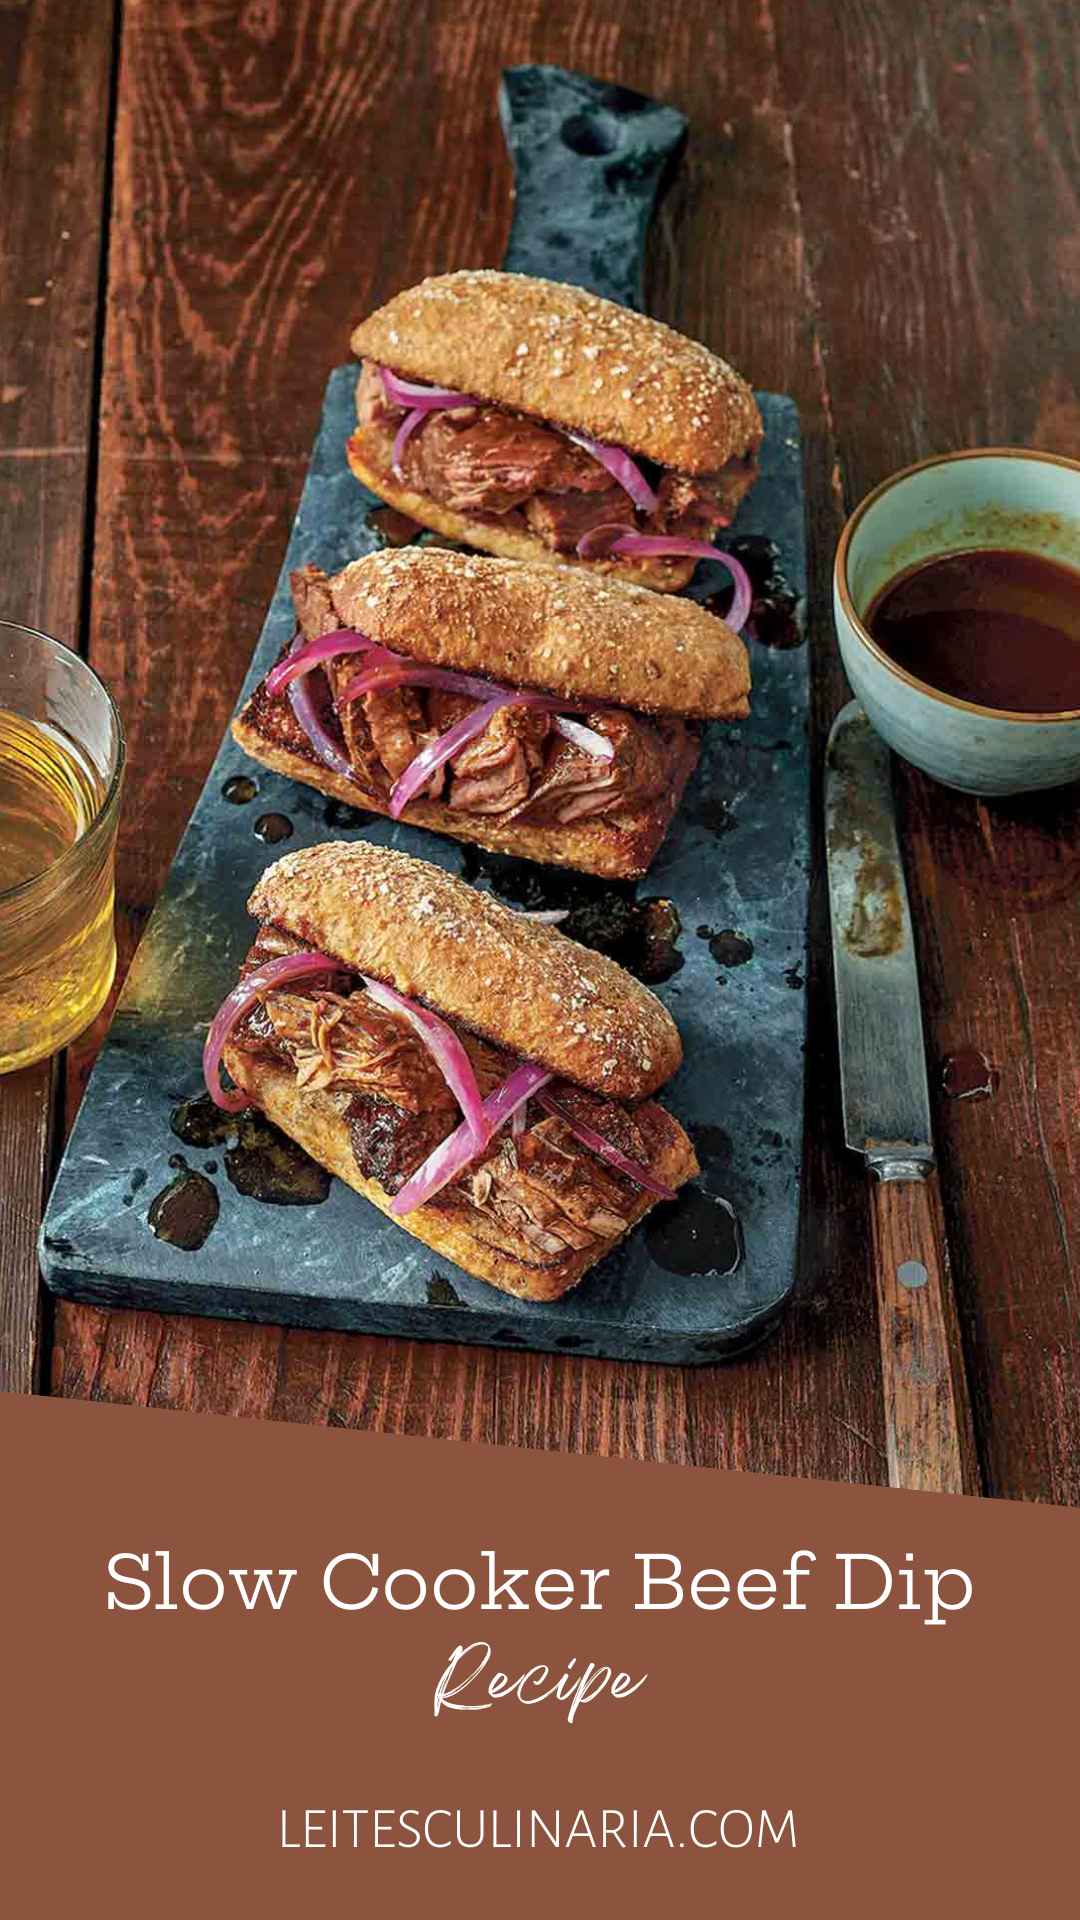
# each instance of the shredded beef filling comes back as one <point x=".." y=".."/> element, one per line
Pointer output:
<point x="537" y="1196"/>
<point x="489" y="462"/>
<point x="519" y="767"/>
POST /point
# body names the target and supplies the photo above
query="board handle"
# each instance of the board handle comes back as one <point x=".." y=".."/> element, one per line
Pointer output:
<point x="928" y="1428"/>
<point x="567" y="133"/>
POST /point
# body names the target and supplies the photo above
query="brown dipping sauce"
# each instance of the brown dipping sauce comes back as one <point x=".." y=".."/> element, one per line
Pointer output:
<point x="993" y="626"/>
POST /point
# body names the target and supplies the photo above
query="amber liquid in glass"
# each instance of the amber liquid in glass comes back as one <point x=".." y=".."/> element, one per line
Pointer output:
<point x="57" y="953"/>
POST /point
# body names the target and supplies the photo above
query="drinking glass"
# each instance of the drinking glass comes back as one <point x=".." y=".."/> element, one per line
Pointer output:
<point x="61" y="768"/>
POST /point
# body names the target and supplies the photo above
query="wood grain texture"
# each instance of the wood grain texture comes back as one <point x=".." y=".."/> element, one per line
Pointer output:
<point x="56" y="61"/>
<point x="877" y="214"/>
<point x="928" y="1434"/>
<point x="943" y="205"/>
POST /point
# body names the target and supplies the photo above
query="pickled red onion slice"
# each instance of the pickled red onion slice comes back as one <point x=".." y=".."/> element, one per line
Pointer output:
<point x="604" y="1148"/>
<point x="600" y="542"/>
<point x="419" y="400"/>
<point x="418" y="394"/>
<point x="301" y="701"/>
<point x="430" y="759"/>
<point x="454" y="1153"/>
<point x="304" y="655"/>
<point x="621" y="467"/>
<point x="399" y="672"/>
<point x="447" y="1052"/>
<point x="403" y="435"/>
<point x="274" y="973"/>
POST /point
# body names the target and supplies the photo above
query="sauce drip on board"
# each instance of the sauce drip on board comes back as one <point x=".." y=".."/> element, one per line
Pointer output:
<point x="993" y="626"/>
<point x="273" y="828"/>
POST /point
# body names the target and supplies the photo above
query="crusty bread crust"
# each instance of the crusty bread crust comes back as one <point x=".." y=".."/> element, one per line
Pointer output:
<point x="564" y="634"/>
<point x="616" y="846"/>
<point x="512" y="980"/>
<point x="496" y="536"/>
<point x="568" y="356"/>
<point x="311" y="1118"/>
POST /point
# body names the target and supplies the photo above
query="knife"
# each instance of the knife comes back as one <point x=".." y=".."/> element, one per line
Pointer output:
<point x="886" y="1103"/>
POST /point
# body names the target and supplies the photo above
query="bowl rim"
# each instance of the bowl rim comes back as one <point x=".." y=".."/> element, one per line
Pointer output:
<point x="863" y="633"/>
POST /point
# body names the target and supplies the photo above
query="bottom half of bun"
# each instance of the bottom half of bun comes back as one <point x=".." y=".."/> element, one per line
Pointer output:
<point x="616" y="847"/>
<point x="313" y="1120"/>
<point x="509" y="541"/>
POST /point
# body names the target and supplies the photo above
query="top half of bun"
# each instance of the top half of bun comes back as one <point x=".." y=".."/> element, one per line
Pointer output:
<point x="570" y="357"/>
<point x="549" y="628"/>
<point x="516" y="982"/>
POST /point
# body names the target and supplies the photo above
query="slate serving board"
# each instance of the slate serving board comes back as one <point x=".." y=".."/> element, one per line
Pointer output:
<point x="706" y="1276"/>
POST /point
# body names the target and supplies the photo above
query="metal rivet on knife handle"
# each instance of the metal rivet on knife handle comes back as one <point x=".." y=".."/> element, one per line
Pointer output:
<point x="912" y="1273"/>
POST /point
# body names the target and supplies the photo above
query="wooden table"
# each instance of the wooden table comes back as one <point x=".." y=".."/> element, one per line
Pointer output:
<point x="878" y="213"/>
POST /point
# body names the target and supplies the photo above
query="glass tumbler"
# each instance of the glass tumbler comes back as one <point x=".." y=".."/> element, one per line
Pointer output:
<point x="61" y="768"/>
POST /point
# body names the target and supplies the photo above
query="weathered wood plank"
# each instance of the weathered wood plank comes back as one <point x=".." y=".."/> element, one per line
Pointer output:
<point x="942" y="206"/>
<point x="56" y="58"/>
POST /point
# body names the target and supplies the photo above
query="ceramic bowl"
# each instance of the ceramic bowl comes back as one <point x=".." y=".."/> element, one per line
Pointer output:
<point x="988" y="497"/>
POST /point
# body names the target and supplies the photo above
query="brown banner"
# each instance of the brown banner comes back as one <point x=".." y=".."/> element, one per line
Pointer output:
<point x="184" y="1737"/>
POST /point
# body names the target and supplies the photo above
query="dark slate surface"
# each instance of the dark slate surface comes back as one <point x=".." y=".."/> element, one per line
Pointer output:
<point x="588" y="161"/>
<point x="735" y="859"/>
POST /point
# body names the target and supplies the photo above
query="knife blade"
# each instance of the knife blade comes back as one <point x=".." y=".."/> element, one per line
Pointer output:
<point x="886" y="1103"/>
<point x="886" y="1098"/>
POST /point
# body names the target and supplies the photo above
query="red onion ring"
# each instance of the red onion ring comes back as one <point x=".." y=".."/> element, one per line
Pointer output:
<point x="455" y="1152"/>
<point x="597" y="1144"/>
<point x="419" y="400"/>
<point x="621" y="468"/>
<point x="288" y="966"/>
<point x="597" y="544"/>
<point x="447" y="1052"/>
<point x="306" y="655"/>
<point x="405" y="673"/>
<point x="418" y="394"/>
<point x="407" y="428"/>
<point x="302" y="703"/>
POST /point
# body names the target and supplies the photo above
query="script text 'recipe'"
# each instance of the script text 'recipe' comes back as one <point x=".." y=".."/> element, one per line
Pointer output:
<point x="353" y="1582"/>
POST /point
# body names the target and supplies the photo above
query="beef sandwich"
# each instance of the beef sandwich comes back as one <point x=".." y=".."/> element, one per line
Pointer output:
<point x="540" y="422"/>
<point x="544" y="714"/>
<point x="473" y="1073"/>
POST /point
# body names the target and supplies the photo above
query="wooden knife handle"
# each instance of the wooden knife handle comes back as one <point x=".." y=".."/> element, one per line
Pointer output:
<point x="928" y="1427"/>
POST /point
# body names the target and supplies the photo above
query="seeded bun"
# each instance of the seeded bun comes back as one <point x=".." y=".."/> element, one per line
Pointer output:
<point x="560" y="633"/>
<point x="512" y="980"/>
<point x="567" y="356"/>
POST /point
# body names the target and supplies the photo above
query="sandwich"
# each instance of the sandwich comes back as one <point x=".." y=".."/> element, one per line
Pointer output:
<point x="469" y="1070"/>
<point x="539" y="422"/>
<point x="538" y="713"/>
